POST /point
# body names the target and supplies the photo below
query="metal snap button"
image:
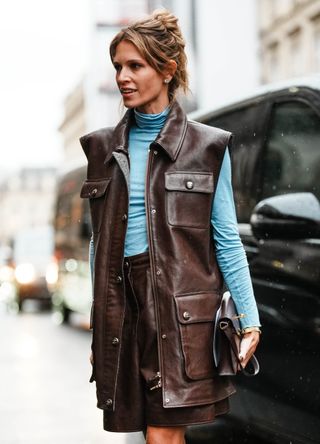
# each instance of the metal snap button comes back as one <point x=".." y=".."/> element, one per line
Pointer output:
<point x="164" y="336"/>
<point x="119" y="279"/>
<point x="115" y="341"/>
<point x="153" y="211"/>
<point x="124" y="218"/>
<point x="186" y="315"/>
<point x="158" y="272"/>
<point x="94" y="192"/>
<point x="109" y="402"/>
<point x="189" y="184"/>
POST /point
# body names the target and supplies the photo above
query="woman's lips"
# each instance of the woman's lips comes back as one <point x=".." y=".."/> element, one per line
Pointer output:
<point x="126" y="92"/>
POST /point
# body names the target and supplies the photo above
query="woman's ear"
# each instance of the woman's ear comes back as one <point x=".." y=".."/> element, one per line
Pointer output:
<point x="170" y="70"/>
<point x="172" y="67"/>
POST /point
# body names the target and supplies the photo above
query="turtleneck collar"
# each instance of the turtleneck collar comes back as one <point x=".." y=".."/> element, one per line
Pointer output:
<point x="151" y="121"/>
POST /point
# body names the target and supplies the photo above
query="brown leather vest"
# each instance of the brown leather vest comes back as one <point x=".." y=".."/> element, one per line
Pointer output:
<point x="182" y="173"/>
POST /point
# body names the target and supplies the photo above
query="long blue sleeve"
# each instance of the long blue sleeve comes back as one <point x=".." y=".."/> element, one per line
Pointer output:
<point x="230" y="253"/>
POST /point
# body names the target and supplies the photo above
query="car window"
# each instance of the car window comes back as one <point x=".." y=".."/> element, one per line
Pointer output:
<point x="292" y="156"/>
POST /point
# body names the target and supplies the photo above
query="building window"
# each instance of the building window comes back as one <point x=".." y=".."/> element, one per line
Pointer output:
<point x="296" y="54"/>
<point x="274" y="62"/>
<point x="316" y="45"/>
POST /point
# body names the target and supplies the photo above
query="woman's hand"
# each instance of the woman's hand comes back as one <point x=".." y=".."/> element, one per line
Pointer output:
<point x="248" y="345"/>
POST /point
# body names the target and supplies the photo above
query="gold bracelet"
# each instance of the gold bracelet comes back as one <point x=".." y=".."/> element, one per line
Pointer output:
<point x="250" y="329"/>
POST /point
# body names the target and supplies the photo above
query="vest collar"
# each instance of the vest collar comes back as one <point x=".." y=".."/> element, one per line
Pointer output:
<point x="170" y="138"/>
<point x="173" y="132"/>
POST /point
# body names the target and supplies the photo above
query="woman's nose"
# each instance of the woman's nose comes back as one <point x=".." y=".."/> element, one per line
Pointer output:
<point x="123" y="75"/>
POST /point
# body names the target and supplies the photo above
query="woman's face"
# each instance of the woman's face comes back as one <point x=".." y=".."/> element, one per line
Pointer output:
<point x="141" y="86"/>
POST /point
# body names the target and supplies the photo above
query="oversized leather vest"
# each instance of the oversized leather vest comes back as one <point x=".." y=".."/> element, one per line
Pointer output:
<point x="182" y="173"/>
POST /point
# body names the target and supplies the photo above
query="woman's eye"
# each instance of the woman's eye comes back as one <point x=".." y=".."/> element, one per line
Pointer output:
<point x="135" y="66"/>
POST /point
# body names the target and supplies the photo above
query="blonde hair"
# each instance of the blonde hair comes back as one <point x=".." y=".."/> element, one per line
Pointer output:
<point x="159" y="39"/>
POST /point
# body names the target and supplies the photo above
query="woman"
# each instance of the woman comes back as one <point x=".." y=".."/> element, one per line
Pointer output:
<point x="164" y="234"/>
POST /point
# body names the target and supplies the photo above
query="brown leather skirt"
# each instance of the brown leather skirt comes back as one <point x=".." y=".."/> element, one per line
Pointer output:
<point x="138" y="400"/>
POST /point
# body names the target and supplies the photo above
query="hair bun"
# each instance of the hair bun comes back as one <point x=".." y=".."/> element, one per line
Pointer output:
<point x="169" y="23"/>
<point x="168" y="20"/>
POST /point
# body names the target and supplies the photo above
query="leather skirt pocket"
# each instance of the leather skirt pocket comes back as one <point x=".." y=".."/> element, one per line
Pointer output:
<point x="196" y="314"/>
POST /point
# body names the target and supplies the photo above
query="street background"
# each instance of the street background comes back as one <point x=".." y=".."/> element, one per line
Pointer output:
<point x="45" y="393"/>
<point x="56" y="84"/>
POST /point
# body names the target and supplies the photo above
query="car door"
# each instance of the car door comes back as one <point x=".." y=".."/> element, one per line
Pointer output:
<point x="276" y="150"/>
<point x="286" y="279"/>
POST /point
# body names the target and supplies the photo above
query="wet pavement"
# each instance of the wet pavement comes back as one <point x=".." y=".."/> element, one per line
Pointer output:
<point x="45" y="396"/>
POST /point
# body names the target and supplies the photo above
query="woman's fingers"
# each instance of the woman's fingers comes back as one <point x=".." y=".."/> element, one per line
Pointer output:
<point x="248" y="346"/>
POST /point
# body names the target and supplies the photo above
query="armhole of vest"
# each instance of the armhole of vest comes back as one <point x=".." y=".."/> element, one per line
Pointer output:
<point x="229" y="143"/>
<point x="83" y="142"/>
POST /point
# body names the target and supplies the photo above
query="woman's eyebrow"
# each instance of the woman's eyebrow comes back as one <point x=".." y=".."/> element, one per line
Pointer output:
<point x="115" y="61"/>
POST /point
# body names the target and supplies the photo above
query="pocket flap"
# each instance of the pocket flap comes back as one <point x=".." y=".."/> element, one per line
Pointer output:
<point x="196" y="307"/>
<point x="189" y="182"/>
<point x="94" y="188"/>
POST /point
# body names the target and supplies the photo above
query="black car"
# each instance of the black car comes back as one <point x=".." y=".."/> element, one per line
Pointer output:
<point x="276" y="178"/>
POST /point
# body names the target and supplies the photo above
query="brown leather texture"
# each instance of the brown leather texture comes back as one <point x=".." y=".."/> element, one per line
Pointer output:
<point x="182" y="173"/>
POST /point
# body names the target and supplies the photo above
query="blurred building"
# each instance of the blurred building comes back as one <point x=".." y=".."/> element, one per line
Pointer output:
<point x="26" y="200"/>
<point x="227" y="61"/>
<point x="73" y="126"/>
<point x="95" y="103"/>
<point x="289" y="33"/>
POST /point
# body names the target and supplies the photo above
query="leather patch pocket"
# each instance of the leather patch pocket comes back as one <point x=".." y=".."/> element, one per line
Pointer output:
<point x="95" y="191"/>
<point x="196" y="314"/>
<point x="188" y="198"/>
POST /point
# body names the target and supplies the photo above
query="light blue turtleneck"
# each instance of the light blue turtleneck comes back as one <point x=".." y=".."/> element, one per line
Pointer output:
<point x="141" y="135"/>
<point x="230" y="253"/>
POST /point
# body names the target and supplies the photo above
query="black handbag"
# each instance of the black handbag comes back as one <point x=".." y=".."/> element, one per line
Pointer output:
<point x="226" y="341"/>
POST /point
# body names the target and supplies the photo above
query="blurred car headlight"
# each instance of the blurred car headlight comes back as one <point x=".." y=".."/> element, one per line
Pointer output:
<point x="25" y="273"/>
<point x="6" y="273"/>
<point x="52" y="273"/>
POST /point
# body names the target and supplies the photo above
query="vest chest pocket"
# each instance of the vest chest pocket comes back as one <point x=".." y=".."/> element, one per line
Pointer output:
<point x="95" y="191"/>
<point x="188" y="198"/>
<point x="196" y="313"/>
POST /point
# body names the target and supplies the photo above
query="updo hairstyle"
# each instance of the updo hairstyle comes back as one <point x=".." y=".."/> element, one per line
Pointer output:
<point x="159" y="39"/>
